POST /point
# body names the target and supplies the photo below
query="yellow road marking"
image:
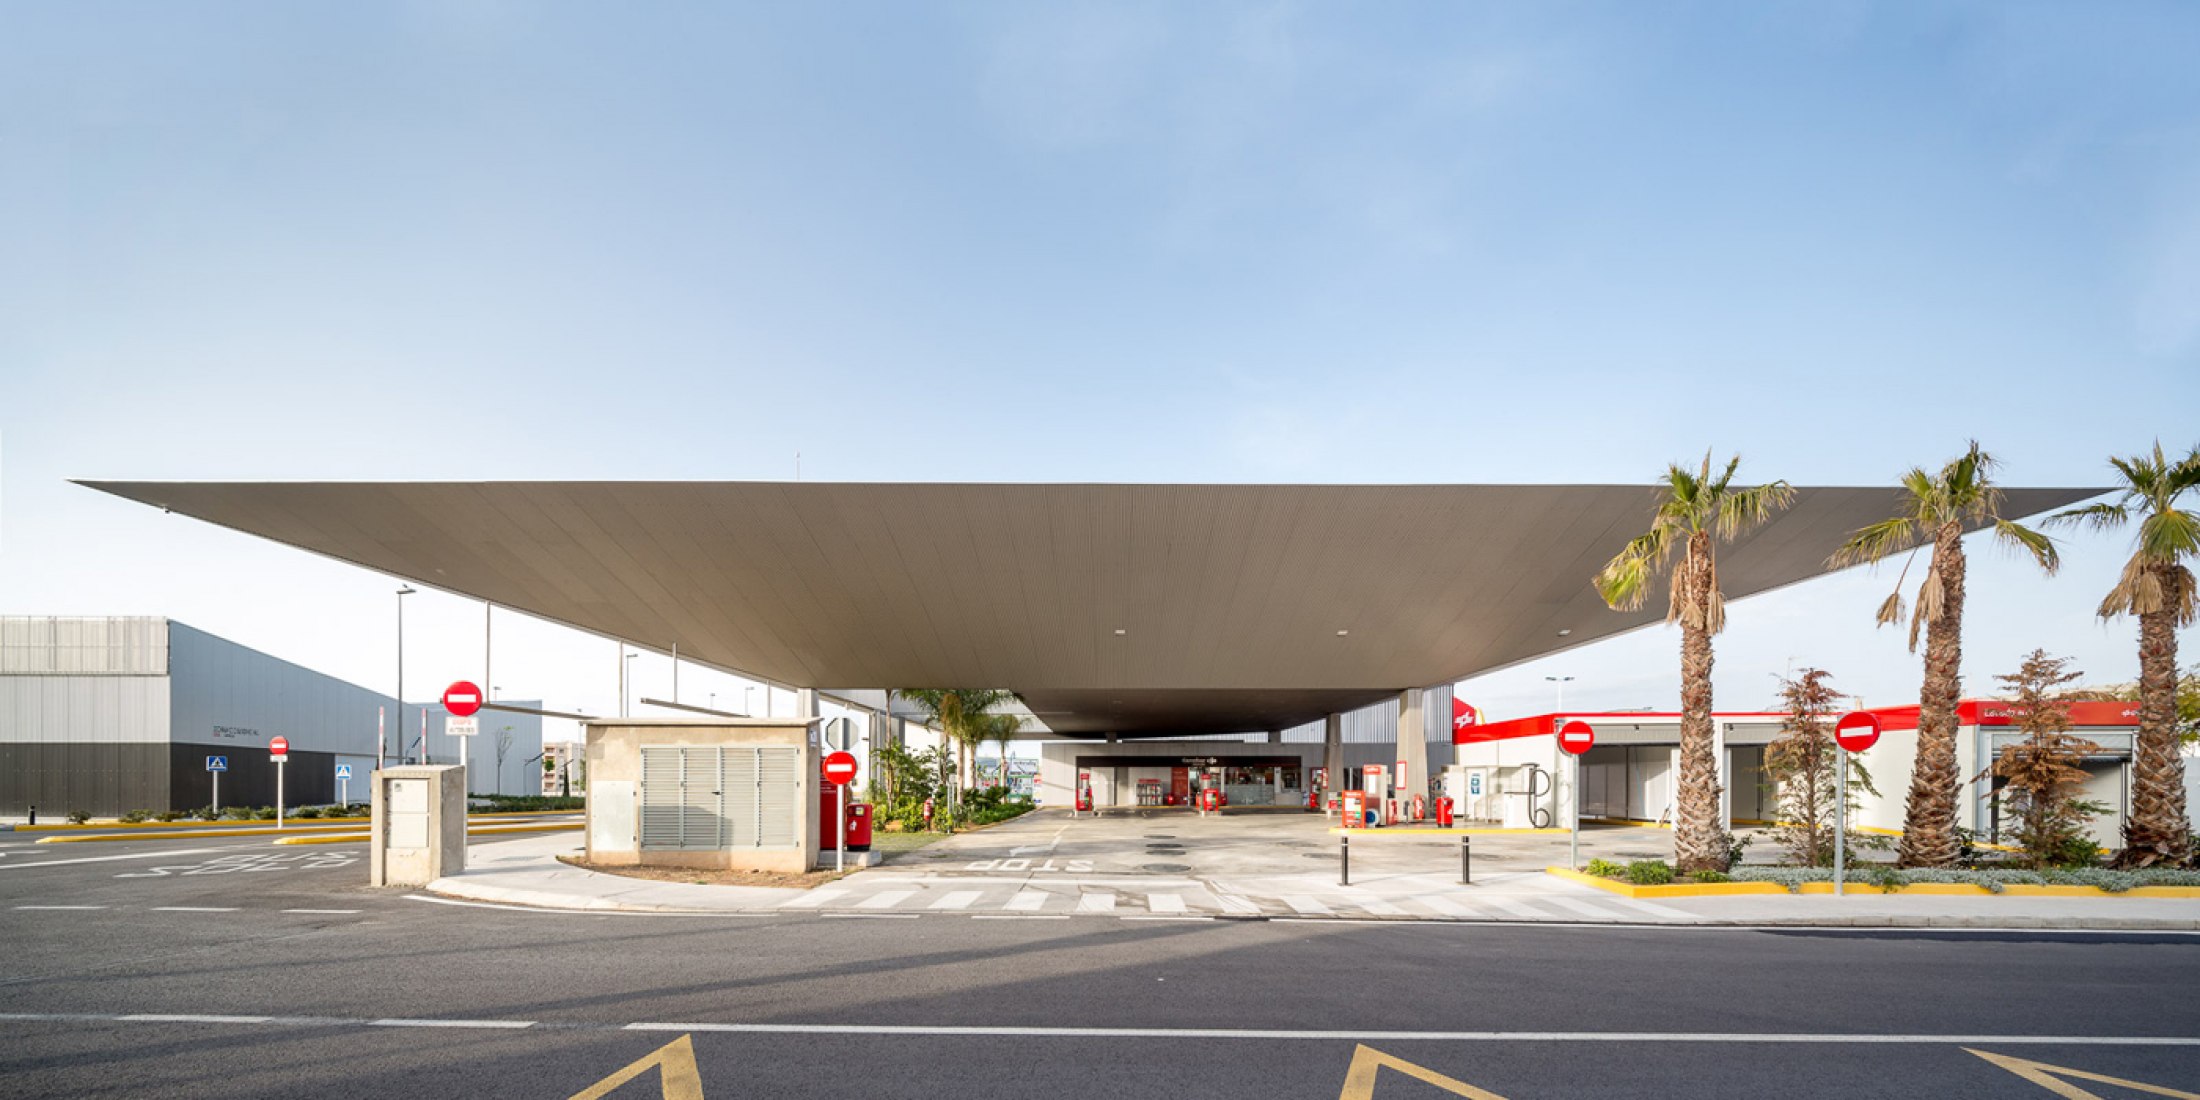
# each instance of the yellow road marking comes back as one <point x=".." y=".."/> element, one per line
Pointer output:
<point x="2042" y="1074"/>
<point x="677" y="1075"/>
<point x="1367" y="1063"/>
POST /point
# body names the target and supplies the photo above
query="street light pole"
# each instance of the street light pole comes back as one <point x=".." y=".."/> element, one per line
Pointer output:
<point x="1561" y="681"/>
<point x="403" y="591"/>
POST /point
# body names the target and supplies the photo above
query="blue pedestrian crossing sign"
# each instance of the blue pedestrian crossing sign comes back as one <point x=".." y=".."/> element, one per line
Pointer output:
<point x="343" y="771"/>
<point x="217" y="763"/>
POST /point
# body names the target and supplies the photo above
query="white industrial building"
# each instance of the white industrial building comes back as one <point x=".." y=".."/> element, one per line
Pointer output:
<point x="113" y="714"/>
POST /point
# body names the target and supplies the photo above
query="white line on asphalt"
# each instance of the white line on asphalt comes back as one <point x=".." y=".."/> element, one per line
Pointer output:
<point x="1096" y="903"/>
<point x="399" y="1021"/>
<point x="1441" y="906"/>
<point x="109" y="859"/>
<point x="1803" y="1038"/>
<point x="815" y="898"/>
<point x="61" y="907"/>
<point x="1652" y="908"/>
<point x="1168" y="918"/>
<point x="1035" y="879"/>
<point x="191" y="1018"/>
<point x="1019" y="916"/>
<point x="327" y="911"/>
<point x="1587" y="908"/>
<point x="1518" y="909"/>
<point x="885" y="899"/>
<point x="956" y="899"/>
<point x="870" y="916"/>
<point x="1165" y="903"/>
<point x="1809" y="1038"/>
<point x="1026" y="901"/>
<point x="193" y="909"/>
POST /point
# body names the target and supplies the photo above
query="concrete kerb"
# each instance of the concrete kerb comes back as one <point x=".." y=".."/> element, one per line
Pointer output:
<point x="1825" y="889"/>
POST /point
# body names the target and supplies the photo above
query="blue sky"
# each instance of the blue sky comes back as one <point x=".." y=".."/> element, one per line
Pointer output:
<point x="1216" y="242"/>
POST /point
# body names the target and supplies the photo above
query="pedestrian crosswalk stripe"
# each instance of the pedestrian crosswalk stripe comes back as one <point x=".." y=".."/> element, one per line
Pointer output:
<point x="815" y="898"/>
<point x="1382" y="908"/>
<point x="1305" y="904"/>
<point x="1096" y="903"/>
<point x="1443" y="907"/>
<point x="1234" y="904"/>
<point x="1026" y="901"/>
<point x="1587" y="909"/>
<point x="959" y="899"/>
<point x="885" y="899"/>
<point x="1661" y="912"/>
<point x="1509" y="906"/>
<point x="1164" y="903"/>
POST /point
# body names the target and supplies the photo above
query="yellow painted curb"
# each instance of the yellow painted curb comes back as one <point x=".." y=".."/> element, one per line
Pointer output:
<point x="333" y="838"/>
<point x="309" y="826"/>
<point x="1406" y="830"/>
<point x="361" y="838"/>
<point x="1668" y="890"/>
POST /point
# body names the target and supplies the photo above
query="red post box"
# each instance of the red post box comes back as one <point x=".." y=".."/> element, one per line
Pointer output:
<point x="1443" y="810"/>
<point x="859" y="827"/>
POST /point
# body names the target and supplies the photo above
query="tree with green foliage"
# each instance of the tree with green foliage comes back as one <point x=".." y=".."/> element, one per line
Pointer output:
<point x="1934" y="509"/>
<point x="1804" y="760"/>
<point x="1695" y="511"/>
<point x="964" y="716"/>
<point x="2156" y="588"/>
<point x="2044" y="772"/>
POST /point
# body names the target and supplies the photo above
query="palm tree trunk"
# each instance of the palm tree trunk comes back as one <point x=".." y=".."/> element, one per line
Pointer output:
<point x="2158" y="831"/>
<point x="1929" y="825"/>
<point x="1699" y="837"/>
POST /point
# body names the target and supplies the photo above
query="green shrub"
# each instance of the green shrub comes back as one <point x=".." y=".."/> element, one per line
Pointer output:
<point x="135" y="816"/>
<point x="79" y="817"/>
<point x="1713" y="876"/>
<point x="171" y="815"/>
<point x="1649" y="872"/>
<point x="1605" y="868"/>
<point x="306" y="813"/>
<point x="525" y="803"/>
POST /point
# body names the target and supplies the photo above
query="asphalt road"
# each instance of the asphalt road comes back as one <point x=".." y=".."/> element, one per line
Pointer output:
<point x="280" y="975"/>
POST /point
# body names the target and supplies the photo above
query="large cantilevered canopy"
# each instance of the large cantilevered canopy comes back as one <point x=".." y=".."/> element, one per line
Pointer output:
<point x="1133" y="609"/>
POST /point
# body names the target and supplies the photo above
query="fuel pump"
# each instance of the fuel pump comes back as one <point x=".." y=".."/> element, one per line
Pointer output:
<point x="1375" y="786"/>
<point x="1084" y="792"/>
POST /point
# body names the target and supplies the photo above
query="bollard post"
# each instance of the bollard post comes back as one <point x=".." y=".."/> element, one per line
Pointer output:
<point x="1466" y="860"/>
<point x="34" y="815"/>
<point x="1344" y="861"/>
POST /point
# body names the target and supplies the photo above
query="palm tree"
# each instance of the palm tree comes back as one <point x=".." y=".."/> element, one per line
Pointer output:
<point x="1935" y="508"/>
<point x="2157" y="588"/>
<point x="1000" y="729"/>
<point x="961" y="716"/>
<point x="1695" y="512"/>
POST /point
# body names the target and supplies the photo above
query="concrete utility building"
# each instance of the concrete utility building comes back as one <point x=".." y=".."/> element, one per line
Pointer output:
<point x="1117" y="613"/>
<point x="108" y="715"/>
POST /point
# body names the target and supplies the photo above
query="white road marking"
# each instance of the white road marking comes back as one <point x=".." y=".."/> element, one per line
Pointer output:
<point x="815" y="898"/>
<point x="1442" y="906"/>
<point x="193" y="909"/>
<point x="1026" y="901"/>
<point x="1309" y="905"/>
<point x="959" y="899"/>
<point x="868" y="916"/>
<point x="1096" y="903"/>
<point x="1381" y="908"/>
<point x="1164" y="903"/>
<point x="1019" y="916"/>
<point x="331" y="912"/>
<point x="109" y="859"/>
<point x="61" y="907"/>
<point x="399" y="1021"/>
<point x="1652" y="908"/>
<point x="1231" y="903"/>
<point x="1169" y="918"/>
<point x="1587" y="909"/>
<point x="885" y="899"/>
<point x="1507" y="905"/>
<point x="1807" y="1038"/>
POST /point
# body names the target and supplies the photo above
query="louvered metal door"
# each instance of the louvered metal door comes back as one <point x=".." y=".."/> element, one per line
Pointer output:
<point x="778" y="798"/>
<point x="683" y="800"/>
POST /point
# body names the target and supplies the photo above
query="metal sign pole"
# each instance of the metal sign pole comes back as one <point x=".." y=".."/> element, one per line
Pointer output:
<point x="1840" y="818"/>
<point x="279" y="793"/>
<point x="840" y="854"/>
<point x="1573" y="816"/>
<point x="217" y="792"/>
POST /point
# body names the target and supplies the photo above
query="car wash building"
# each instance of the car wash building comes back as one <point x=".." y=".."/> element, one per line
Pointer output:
<point x="1517" y="771"/>
<point x="1151" y="625"/>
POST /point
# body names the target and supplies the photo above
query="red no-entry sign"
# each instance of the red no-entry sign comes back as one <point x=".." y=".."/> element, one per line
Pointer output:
<point x="840" y="768"/>
<point x="278" y="748"/>
<point x="1857" y="730"/>
<point x="462" y="699"/>
<point x="1577" y="737"/>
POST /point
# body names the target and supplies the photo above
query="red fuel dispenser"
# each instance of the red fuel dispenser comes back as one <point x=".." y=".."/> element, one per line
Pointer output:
<point x="1443" y="810"/>
<point x="1084" y="792"/>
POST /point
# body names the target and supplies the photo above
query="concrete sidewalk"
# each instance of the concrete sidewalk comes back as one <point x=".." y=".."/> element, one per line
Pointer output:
<point x="527" y="872"/>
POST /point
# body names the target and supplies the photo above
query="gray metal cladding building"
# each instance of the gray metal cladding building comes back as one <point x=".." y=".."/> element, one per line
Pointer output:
<point x="108" y="715"/>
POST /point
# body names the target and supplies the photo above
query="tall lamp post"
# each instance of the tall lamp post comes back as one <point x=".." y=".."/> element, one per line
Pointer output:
<point x="1561" y="681"/>
<point x="403" y="591"/>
